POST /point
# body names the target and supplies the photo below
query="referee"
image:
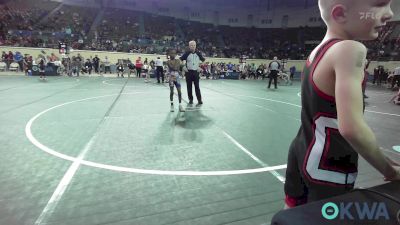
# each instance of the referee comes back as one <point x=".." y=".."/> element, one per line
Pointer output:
<point x="274" y="68"/>
<point x="193" y="59"/>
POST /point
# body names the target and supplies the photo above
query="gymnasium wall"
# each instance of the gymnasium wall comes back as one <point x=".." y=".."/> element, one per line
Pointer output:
<point x="114" y="56"/>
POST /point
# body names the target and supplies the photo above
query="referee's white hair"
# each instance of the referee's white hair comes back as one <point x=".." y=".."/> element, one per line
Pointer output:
<point x="192" y="42"/>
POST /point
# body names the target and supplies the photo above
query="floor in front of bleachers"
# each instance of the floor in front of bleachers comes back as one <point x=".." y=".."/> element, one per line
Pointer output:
<point x="106" y="150"/>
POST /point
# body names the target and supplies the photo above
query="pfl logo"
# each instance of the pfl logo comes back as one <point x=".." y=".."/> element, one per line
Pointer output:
<point x="363" y="211"/>
<point x="367" y="15"/>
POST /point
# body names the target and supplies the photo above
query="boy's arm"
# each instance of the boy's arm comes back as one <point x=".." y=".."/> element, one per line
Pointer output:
<point x="349" y="70"/>
<point x="168" y="65"/>
<point x="201" y="57"/>
<point x="184" y="56"/>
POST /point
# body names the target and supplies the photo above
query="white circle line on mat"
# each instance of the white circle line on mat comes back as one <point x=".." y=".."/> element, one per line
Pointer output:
<point x="37" y="143"/>
<point x="106" y="82"/>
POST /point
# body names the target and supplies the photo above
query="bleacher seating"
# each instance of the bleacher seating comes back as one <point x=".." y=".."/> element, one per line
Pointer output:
<point x="121" y="30"/>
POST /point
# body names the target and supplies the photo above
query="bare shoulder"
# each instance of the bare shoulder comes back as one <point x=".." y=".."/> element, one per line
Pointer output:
<point x="347" y="46"/>
<point x="348" y="54"/>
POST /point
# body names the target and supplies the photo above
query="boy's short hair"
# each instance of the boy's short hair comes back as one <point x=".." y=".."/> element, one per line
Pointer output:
<point x="170" y="51"/>
<point x="326" y="6"/>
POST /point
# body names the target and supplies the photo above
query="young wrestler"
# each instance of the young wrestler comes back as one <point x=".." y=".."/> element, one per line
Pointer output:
<point x="173" y="74"/>
<point x="323" y="157"/>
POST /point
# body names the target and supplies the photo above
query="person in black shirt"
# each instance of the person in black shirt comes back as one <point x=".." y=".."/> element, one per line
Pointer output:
<point x="3" y="56"/>
<point x="131" y="68"/>
<point x="259" y="72"/>
<point x="120" y="68"/>
<point x="87" y="67"/>
<point x="96" y="63"/>
<point x="42" y="66"/>
<point x="76" y="64"/>
<point x="378" y="74"/>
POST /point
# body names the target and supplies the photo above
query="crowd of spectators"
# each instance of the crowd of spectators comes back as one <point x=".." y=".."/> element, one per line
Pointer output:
<point x="75" y="64"/>
<point x="139" y="32"/>
<point x="387" y="45"/>
<point x="24" y="15"/>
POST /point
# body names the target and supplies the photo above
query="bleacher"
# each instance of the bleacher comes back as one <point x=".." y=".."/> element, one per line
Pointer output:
<point x="120" y="30"/>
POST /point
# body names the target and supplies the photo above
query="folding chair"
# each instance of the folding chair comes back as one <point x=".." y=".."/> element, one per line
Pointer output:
<point x="3" y="66"/>
<point x="14" y="67"/>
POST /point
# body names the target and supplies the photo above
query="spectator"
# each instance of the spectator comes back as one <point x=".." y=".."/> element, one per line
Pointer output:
<point x="88" y="67"/>
<point x="18" y="58"/>
<point x="107" y="65"/>
<point x="96" y="63"/>
<point x="42" y="66"/>
<point x="25" y="64"/>
<point x="131" y="67"/>
<point x="120" y="68"/>
<point x="4" y="57"/>
<point x="138" y="66"/>
<point x="66" y="62"/>
<point x="292" y="72"/>
<point x="76" y="65"/>
<point x="53" y="58"/>
<point x="9" y="59"/>
<point x="260" y="72"/>
<point x="146" y="68"/>
<point x="159" y="70"/>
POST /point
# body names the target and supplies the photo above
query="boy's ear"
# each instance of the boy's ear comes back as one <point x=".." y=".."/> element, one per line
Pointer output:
<point x="339" y="14"/>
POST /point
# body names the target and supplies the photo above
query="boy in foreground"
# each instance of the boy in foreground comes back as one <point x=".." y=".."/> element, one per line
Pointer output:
<point x="323" y="157"/>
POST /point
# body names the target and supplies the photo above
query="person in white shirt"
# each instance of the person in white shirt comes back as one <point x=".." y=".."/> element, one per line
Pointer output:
<point x="107" y="65"/>
<point x="159" y="70"/>
<point x="146" y="71"/>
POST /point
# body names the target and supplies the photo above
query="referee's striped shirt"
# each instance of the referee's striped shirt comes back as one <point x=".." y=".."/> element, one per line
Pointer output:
<point x="193" y="59"/>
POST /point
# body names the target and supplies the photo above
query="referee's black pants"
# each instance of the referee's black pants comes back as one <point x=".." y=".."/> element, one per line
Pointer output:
<point x="192" y="76"/>
<point x="160" y="72"/>
<point x="273" y="75"/>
